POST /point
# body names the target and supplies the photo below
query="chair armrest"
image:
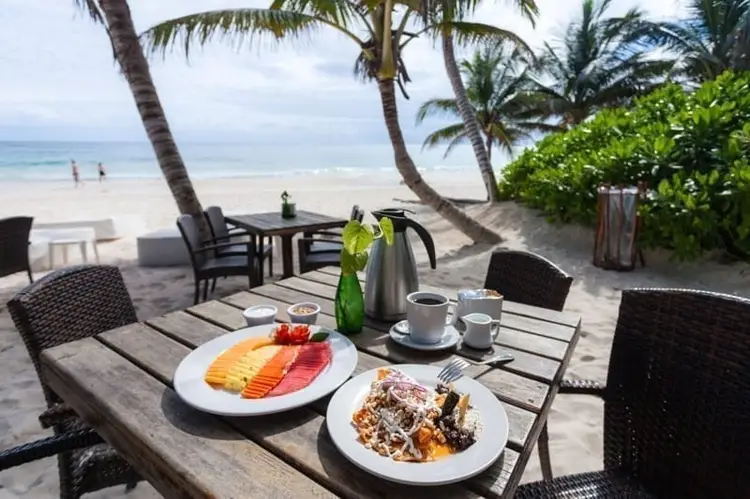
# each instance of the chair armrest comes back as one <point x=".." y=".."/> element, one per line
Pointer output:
<point x="303" y="243"/>
<point x="582" y="387"/>
<point x="238" y="231"/>
<point x="47" y="447"/>
<point x="325" y="233"/>
<point x="212" y="247"/>
<point x="56" y="415"/>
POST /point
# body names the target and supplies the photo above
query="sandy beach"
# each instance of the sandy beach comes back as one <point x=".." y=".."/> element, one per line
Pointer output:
<point x="575" y="423"/>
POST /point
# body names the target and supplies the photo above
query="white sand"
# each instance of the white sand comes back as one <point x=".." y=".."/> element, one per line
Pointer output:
<point x="576" y="422"/>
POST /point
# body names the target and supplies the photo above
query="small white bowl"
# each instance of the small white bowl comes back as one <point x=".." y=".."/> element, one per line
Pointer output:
<point x="260" y="314"/>
<point x="306" y="317"/>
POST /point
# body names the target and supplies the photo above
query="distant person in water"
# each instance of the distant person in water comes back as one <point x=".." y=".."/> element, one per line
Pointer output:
<point x="102" y="172"/>
<point x="76" y="174"/>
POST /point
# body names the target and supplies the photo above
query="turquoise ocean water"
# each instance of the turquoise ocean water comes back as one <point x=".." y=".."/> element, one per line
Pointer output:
<point x="39" y="161"/>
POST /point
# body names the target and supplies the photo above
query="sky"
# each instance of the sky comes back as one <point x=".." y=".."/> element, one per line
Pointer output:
<point x="58" y="80"/>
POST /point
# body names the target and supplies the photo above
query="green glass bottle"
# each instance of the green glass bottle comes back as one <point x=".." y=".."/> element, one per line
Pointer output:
<point x="349" y="305"/>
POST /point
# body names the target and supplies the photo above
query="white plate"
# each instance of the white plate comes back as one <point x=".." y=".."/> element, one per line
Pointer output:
<point x="457" y="467"/>
<point x="448" y="340"/>
<point x="193" y="389"/>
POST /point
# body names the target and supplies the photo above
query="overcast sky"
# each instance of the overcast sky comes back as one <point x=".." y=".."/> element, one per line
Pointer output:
<point x="58" y="80"/>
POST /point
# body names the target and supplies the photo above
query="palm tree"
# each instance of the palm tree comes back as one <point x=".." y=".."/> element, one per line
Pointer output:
<point x="115" y="16"/>
<point x="453" y="10"/>
<point x="596" y="64"/>
<point x="380" y="46"/>
<point x="496" y="80"/>
<point x="711" y="39"/>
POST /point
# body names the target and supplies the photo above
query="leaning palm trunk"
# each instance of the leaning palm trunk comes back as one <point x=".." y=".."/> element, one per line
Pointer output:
<point x="473" y="229"/>
<point x="469" y="117"/>
<point x="134" y="66"/>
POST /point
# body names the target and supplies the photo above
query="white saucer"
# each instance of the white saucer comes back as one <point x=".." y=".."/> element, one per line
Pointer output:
<point x="449" y="340"/>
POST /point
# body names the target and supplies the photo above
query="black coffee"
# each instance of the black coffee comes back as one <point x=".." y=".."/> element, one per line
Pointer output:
<point x="428" y="301"/>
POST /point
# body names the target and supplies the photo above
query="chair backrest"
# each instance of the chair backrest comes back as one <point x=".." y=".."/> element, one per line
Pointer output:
<point x="67" y="305"/>
<point x="14" y="244"/>
<point x="217" y="223"/>
<point x="525" y="277"/>
<point x="357" y="214"/>
<point x="192" y="237"/>
<point x="677" y="410"/>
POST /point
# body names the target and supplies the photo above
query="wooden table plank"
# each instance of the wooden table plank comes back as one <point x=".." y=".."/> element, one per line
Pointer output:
<point x="523" y="346"/>
<point x="182" y="452"/>
<point x="192" y="329"/>
<point x="562" y="318"/>
<point x="272" y="223"/>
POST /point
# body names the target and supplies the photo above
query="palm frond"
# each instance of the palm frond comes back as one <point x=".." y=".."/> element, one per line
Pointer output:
<point x="237" y="27"/>
<point x="437" y="107"/>
<point x="91" y="8"/>
<point x="452" y="134"/>
<point x="470" y="33"/>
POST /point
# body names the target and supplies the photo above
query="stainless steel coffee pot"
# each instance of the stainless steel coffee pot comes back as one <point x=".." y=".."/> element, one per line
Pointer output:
<point x="392" y="269"/>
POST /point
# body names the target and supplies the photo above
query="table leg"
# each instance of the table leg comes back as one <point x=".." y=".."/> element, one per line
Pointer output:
<point x="51" y="257"/>
<point x="259" y="250"/>
<point x="96" y="250"/>
<point x="84" y="254"/>
<point x="286" y="256"/>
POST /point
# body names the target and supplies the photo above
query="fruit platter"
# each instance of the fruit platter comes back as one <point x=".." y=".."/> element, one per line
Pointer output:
<point x="265" y="369"/>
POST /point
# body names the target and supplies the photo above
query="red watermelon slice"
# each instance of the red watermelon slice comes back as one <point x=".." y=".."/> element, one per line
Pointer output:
<point x="312" y="359"/>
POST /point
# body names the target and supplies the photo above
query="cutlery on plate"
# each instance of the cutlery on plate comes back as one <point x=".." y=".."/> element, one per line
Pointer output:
<point x="454" y="370"/>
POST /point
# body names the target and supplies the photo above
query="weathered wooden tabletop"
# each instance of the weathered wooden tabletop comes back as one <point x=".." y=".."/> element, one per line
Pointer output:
<point x="120" y="382"/>
<point x="273" y="224"/>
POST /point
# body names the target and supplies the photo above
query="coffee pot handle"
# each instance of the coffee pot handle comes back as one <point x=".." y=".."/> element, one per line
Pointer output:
<point x="426" y="238"/>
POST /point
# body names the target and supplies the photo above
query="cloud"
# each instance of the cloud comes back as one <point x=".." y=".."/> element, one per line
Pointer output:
<point x="58" y="80"/>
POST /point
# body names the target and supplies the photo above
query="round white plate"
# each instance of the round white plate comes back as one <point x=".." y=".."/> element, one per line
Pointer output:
<point x="449" y="339"/>
<point x="192" y="388"/>
<point x="455" y="468"/>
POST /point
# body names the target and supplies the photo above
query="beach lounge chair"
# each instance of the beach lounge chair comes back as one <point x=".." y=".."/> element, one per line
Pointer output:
<point x="223" y="233"/>
<point x="14" y="246"/>
<point x="67" y="305"/>
<point x="528" y="278"/>
<point x="207" y="266"/>
<point x="676" y="402"/>
<point x="323" y="248"/>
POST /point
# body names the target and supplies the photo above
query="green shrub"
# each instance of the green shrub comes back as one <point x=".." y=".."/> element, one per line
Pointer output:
<point x="692" y="149"/>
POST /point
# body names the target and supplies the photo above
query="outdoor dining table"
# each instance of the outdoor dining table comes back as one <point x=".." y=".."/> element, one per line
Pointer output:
<point x="273" y="224"/>
<point x="120" y="383"/>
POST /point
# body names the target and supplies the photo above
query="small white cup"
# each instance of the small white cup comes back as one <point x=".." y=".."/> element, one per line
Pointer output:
<point x="258" y="315"/>
<point x="481" y="330"/>
<point x="426" y="313"/>
<point x="309" y="317"/>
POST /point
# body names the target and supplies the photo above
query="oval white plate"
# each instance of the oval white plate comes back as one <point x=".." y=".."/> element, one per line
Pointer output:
<point x="192" y="388"/>
<point x="477" y="458"/>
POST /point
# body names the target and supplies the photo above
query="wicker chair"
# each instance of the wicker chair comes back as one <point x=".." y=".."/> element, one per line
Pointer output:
<point x="14" y="246"/>
<point x="63" y="306"/>
<point x="528" y="278"/>
<point x="318" y="252"/>
<point x="676" y="402"/>
<point x="222" y="234"/>
<point x="208" y="266"/>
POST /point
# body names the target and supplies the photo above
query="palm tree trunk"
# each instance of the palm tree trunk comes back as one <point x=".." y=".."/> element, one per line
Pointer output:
<point x="489" y="148"/>
<point x="469" y="117"/>
<point x="473" y="229"/>
<point x="135" y="67"/>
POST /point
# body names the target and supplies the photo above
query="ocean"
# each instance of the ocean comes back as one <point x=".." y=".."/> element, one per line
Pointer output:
<point x="39" y="161"/>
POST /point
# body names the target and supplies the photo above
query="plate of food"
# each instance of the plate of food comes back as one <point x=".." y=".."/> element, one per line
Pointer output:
<point x="401" y="424"/>
<point x="265" y="369"/>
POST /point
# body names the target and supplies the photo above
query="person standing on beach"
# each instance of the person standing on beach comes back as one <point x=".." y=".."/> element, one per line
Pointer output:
<point x="102" y="172"/>
<point x="76" y="174"/>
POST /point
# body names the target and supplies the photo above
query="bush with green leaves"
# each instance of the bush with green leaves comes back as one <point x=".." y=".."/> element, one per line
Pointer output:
<point x="692" y="150"/>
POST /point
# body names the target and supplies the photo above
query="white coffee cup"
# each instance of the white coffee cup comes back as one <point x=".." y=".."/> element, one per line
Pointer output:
<point x="426" y="313"/>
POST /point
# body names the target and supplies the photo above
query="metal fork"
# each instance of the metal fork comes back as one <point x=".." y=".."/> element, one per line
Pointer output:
<point x="454" y="370"/>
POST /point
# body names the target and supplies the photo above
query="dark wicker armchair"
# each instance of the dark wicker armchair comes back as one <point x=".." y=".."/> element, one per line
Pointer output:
<point x="14" y="246"/>
<point x="676" y="402"/>
<point x="222" y="233"/>
<point x="528" y="278"/>
<point x="63" y="306"/>
<point x="525" y="277"/>
<point x="323" y="248"/>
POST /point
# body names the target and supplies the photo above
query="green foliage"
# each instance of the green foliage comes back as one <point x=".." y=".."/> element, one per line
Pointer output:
<point x="692" y="149"/>
<point x="357" y="238"/>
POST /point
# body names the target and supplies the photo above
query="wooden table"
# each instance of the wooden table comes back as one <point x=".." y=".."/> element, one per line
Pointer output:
<point x="272" y="224"/>
<point x="120" y="382"/>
